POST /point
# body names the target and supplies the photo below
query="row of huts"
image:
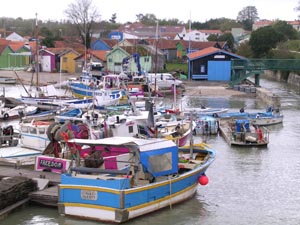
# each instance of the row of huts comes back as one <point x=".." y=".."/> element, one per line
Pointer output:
<point x="208" y="60"/>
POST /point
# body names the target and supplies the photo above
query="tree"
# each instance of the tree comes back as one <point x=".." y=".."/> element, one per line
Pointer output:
<point x="297" y="8"/>
<point x="286" y="29"/>
<point x="113" y="18"/>
<point x="244" y="49"/>
<point x="263" y="40"/>
<point x="247" y="17"/>
<point x="226" y="37"/>
<point x="83" y="14"/>
<point x="148" y="19"/>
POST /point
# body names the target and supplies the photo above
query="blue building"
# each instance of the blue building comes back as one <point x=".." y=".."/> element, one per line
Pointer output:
<point x="211" y="64"/>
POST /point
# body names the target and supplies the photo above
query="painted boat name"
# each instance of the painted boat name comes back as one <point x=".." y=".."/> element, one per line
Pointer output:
<point x="89" y="195"/>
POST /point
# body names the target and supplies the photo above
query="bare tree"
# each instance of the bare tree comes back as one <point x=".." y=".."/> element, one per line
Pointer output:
<point x="297" y="8"/>
<point x="83" y="14"/>
<point x="248" y="16"/>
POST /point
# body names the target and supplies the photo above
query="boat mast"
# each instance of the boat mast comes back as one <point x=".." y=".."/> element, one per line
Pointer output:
<point x="36" y="51"/>
<point x="156" y="40"/>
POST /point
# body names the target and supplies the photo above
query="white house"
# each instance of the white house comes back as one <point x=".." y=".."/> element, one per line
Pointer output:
<point x="196" y="35"/>
<point x="15" y="37"/>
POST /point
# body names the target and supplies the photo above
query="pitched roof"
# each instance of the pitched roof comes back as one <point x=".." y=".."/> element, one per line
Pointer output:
<point x="3" y="41"/>
<point x="70" y="42"/>
<point x="171" y="44"/>
<point x="16" y="45"/>
<point x="209" y="51"/>
<point x="263" y="23"/>
<point x="135" y="49"/>
<point x="211" y="31"/>
<point x="100" y="54"/>
<point x="3" y="47"/>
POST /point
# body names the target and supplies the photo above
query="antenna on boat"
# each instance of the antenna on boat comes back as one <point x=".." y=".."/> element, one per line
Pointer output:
<point x="191" y="136"/>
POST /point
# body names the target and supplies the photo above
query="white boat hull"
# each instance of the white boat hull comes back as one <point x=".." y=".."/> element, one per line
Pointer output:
<point x="111" y="215"/>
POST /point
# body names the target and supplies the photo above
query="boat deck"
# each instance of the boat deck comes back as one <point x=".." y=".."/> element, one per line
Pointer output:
<point x="226" y="133"/>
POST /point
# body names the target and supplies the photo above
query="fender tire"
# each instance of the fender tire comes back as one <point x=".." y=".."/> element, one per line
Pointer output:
<point x="5" y="116"/>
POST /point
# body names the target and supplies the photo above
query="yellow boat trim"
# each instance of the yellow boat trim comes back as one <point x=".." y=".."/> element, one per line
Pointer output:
<point x="132" y="190"/>
<point x="131" y="208"/>
<point x="89" y="206"/>
<point x="114" y="191"/>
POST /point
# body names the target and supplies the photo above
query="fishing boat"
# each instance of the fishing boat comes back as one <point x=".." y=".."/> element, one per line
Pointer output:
<point x="47" y="115"/>
<point x="263" y="119"/>
<point x="70" y="114"/>
<point x="8" y="80"/>
<point x="57" y="157"/>
<point x="206" y="125"/>
<point x="269" y="117"/>
<point x="7" y="137"/>
<point x="87" y="87"/>
<point x="201" y="111"/>
<point x="27" y="142"/>
<point x="18" y="111"/>
<point x="147" y="124"/>
<point x="240" y="132"/>
<point x="154" y="175"/>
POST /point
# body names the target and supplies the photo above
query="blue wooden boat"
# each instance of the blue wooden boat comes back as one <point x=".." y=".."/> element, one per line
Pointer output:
<point x="157" y="174"/>
<point x="69" y="115"/>
<point x="269" y="117"/>
<point x="88" y="87"/>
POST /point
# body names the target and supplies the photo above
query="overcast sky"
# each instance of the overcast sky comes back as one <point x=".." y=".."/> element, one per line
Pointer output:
<point x="197" y="10"/>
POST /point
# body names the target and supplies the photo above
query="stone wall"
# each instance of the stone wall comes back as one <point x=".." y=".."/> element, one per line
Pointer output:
<point x="268" y="97"/>
<point x="291" y="78"/>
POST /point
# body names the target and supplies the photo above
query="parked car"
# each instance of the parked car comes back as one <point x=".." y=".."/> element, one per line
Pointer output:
<point x="163" y="80"/>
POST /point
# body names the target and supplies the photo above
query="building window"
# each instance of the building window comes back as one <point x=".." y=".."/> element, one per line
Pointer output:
<point x="65" y="59"/>
<point x="130" y="129"/>
<point x="146" y="59"/>
<point x="202" y="69"/>
<point x="110" y="60"/>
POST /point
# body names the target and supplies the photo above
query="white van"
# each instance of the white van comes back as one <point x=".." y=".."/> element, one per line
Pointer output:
<point x="163" y="80"/>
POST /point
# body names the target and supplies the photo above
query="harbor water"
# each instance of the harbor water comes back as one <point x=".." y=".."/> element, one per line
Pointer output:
<point x="256" y="186"/>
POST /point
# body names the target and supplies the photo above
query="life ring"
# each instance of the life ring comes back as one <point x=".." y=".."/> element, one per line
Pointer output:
<point x="5" y="116"/>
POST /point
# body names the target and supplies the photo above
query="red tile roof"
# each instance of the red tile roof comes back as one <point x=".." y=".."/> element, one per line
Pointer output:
<point x="209" y="51"/>
<point x="263" y="23"/>
<point x="203" y="52"/>
<point x="70" y="42"/>
<point x="295" y="22"/>
<point x="16" y="45"/>
<point x="100" y="54"/>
